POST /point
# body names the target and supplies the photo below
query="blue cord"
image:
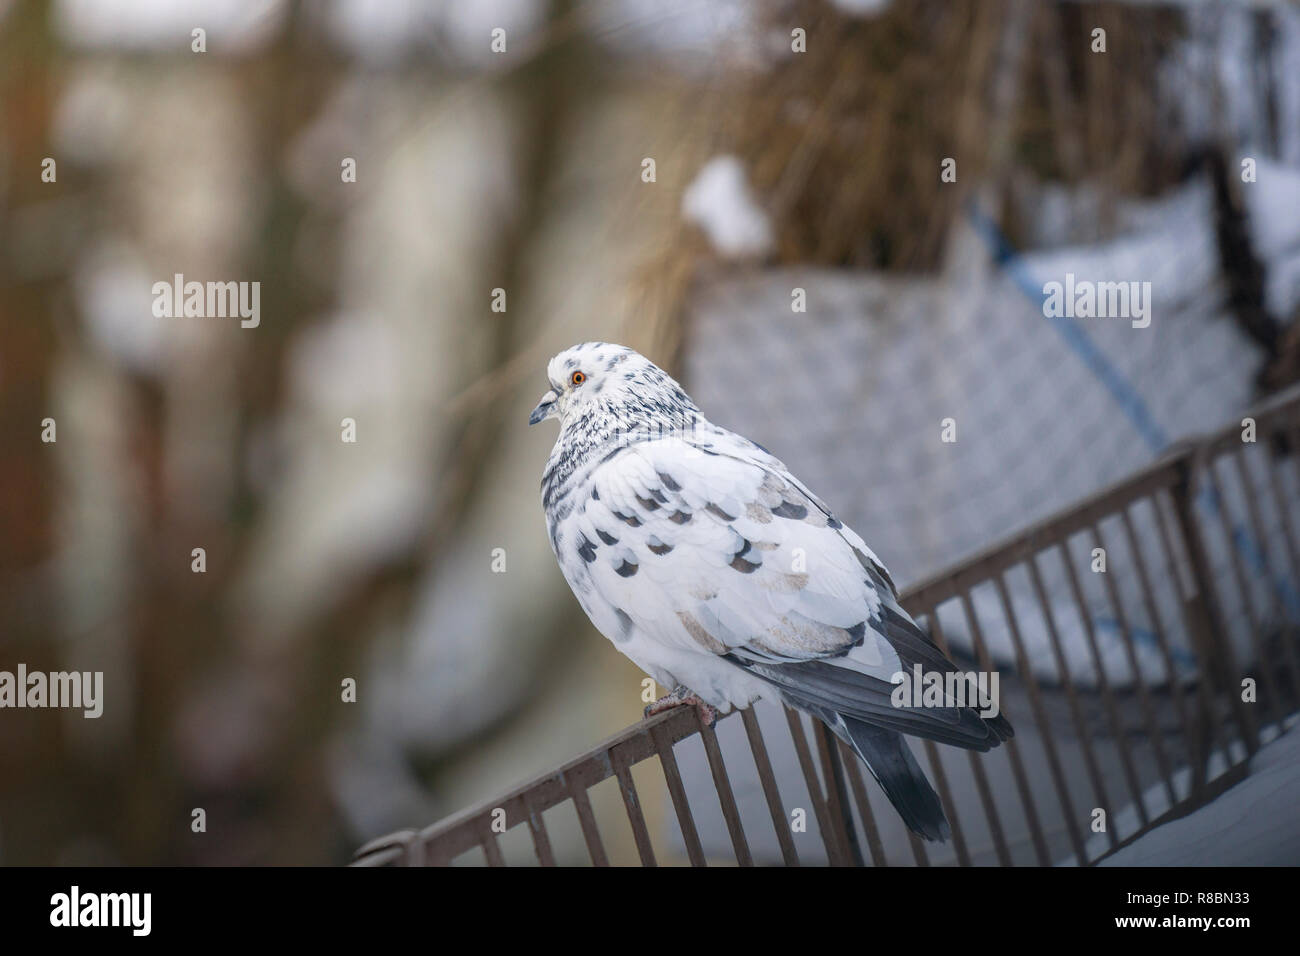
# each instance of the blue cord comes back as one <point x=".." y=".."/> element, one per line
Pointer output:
<point x="1130" y="401"/>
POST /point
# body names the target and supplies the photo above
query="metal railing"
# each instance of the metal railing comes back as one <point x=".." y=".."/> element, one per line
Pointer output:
<point x="1139" y="690"/>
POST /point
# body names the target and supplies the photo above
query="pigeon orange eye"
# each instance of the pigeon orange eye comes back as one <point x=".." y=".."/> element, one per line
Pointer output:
<point x="577" y="378"/>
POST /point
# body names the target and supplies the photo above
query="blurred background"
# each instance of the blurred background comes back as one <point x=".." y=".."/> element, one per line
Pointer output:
<point x="752" y="193"/>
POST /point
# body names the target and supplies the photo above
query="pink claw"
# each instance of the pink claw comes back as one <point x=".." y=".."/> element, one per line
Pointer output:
<point x="707" y="714"/>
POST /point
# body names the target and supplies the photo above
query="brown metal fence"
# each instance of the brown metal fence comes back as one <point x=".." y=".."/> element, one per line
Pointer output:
<point x="1201" y="576"/>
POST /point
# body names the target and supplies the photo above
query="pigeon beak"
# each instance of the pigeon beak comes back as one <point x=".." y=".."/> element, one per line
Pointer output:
<point x="545" y="408"/>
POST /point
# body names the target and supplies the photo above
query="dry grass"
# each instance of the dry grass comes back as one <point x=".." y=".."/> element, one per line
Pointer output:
<point x="844" y="142"/>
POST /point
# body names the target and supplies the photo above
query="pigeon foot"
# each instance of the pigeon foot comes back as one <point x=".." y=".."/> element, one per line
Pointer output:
<point x="683" y="697"/>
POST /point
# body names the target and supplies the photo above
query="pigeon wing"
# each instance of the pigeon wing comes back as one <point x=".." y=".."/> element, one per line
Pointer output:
<point x="708" y="543"/>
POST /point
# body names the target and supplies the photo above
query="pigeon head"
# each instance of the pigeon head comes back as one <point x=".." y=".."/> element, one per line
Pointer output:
<point x="602" y="387"/>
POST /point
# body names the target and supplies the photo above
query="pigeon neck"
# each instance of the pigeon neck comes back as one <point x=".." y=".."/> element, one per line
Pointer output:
<point x="589" y="439"/>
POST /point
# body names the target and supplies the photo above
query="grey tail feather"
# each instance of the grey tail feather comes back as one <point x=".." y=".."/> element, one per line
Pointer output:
<point x="891" y="762"/>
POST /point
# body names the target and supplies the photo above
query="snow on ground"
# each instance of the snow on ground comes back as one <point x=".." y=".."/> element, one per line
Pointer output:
<point x="1256" y="823"/>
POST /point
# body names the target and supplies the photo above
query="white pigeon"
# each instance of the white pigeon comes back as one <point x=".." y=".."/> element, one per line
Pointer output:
<point x="705" y="561"/>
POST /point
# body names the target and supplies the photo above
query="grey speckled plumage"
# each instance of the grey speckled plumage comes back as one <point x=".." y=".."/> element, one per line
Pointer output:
<point x="705" y="561"/>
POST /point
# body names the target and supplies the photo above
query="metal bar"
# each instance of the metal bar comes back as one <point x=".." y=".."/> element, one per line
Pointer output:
<point x="685" y="819"/>
<point x="1210" y="730"/>
<point x="945" y="799"/>
<point x="1071" y="694"/>
<point x="402" y="847"/>
<point x="1274" y="465"/>
<point x="1293" y="436"/>
<point x="1103" y="684"/>
<point x="977" y="769"/>
<point x="415" y="854"/>
<point x="1257" y="525"/>
<point x="824" y="824"/>
<point x="1220" y="661"/>
<point x="1247" y="594"/>
<point x="918" y="849"/>
<point x="632" y="801"/>
<point x="587" y="821"/>
<point x="1013" y="752"/>
<point x="388" y="856"/>
<point x="837" y="795"/>
<point x="853" y="767"/>
<point x="1139" y="682"/>
<point x="541" y="840"/>
<point x="1238" y="457"/>
<point x="727" y="799"/>
<point x="1044" y="725"/>
<point x="941" y="783"/>
<point x="491" y="849"/>
<point x="1157" y="624"/>
<point x="771" y="792"/>
<point x="435" y="855"/>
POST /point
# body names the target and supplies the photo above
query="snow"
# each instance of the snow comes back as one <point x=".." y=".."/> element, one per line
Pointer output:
<point x="231" y="25"/>
<point x="1273" y="209"/>
<point x="720" y="201"/>
<point x="112" y="286"/>
<point x="861" y="8"/>
<point x="1255" y="823"/>
<point x="460" y="32"/>
<point x="686" y="32"/>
